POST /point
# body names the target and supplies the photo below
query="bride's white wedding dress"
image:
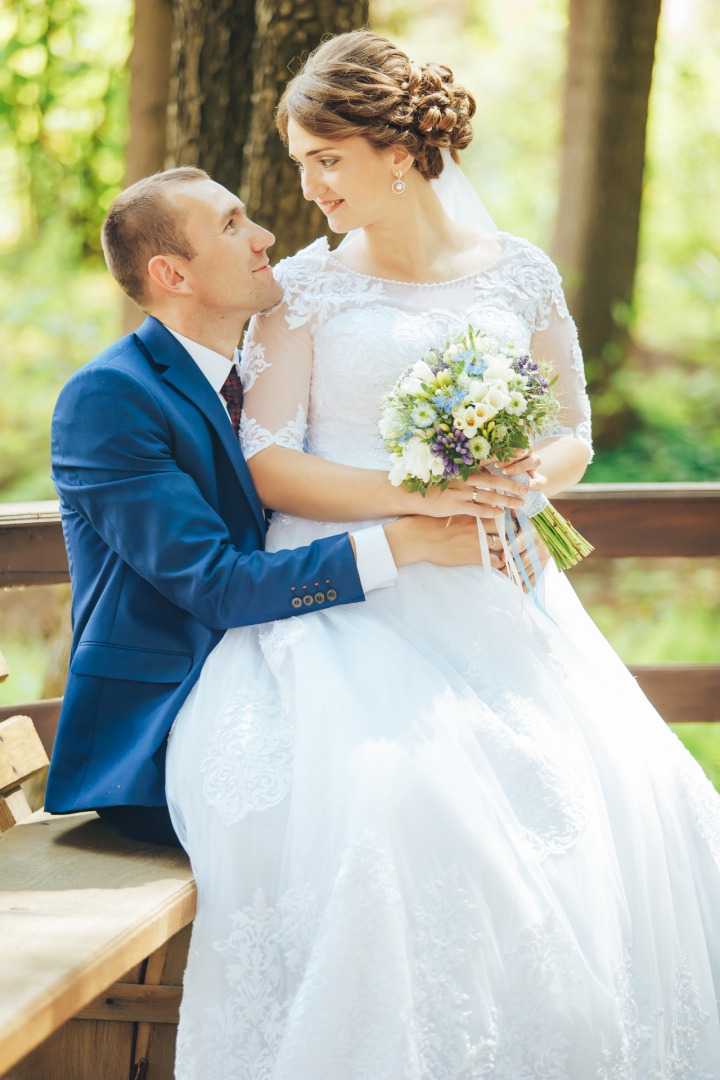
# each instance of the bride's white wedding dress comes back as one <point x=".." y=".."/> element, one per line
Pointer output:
<point x="438" y="835"/>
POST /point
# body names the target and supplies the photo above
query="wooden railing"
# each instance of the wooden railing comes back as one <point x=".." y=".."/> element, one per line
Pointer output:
<point x="621" y="520"/>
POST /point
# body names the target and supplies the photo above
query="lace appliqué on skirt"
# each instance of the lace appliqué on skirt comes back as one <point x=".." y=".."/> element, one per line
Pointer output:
<point x="638" y="1021"/>
<point x="247" y="767"/>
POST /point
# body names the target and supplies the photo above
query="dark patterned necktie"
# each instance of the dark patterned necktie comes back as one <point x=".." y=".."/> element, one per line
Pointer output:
<point x="233" y="393"/>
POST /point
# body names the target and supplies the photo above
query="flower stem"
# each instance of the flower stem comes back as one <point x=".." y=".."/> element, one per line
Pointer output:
<point x="564" y="543"/>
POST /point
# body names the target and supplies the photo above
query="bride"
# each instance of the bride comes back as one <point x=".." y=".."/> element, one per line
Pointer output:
<point x="439" y="835"/>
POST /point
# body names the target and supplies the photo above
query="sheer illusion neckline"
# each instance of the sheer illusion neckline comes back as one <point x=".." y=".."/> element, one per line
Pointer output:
<point x="500" y="236"/>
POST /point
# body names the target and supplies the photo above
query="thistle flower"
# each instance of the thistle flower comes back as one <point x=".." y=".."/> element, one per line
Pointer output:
<point x="517" y="404"/>
<point x="423" y="416"/>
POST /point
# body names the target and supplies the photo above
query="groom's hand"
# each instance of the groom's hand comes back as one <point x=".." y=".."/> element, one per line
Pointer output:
<point x="443" y="541"/>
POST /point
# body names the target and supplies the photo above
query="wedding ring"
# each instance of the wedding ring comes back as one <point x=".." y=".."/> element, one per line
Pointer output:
<point x="474" y="495"/>
<point x="492" y="545"/>
<point x="447" y="523"/>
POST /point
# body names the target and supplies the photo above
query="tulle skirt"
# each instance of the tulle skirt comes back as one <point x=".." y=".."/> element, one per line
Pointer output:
<point x="442" y="835"/>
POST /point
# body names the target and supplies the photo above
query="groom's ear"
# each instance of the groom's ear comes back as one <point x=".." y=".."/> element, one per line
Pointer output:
<point x="168" y="273"/>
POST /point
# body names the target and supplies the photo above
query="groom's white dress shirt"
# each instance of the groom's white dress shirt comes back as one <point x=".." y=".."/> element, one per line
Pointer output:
<point x="375" y="564"/>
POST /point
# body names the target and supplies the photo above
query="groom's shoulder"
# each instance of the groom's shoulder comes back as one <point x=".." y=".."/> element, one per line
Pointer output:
<point x="125" y="366"/>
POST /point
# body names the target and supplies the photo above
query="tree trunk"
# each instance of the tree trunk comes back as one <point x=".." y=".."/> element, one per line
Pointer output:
<point x="209" y="112"/>
<point x="232" y="59"/>
<point x="611" y="47"/>
<point x="286" y="33"/>
<point x="149" y="78"/>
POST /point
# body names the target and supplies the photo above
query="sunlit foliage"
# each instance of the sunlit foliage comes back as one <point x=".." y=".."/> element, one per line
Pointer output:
<point x="63" y="104"/>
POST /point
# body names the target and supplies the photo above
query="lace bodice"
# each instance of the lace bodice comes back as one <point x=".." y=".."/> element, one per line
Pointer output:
<point x="315" y="367"/>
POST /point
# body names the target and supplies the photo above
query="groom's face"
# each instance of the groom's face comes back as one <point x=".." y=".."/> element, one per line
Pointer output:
<point x="230" y="273"/>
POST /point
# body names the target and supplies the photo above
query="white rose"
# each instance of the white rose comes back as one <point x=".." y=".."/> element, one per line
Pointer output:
<point x="391" y="424"/>
<point x="421" y="371"/>
<point x="499" y="368"/>
<point x="477" y="390"/>
<point x="497" y="396"/>
<point x="398" y="472"/>
<point x="418" y="459"/>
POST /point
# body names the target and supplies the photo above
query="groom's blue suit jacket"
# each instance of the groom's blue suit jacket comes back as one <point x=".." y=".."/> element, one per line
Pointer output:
<point x="164" y="533"/>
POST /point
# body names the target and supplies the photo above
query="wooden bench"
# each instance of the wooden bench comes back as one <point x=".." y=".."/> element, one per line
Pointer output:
<point x="94" y="932"/>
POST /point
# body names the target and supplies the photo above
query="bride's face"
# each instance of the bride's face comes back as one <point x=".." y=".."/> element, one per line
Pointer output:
<point x="349" y="179"/>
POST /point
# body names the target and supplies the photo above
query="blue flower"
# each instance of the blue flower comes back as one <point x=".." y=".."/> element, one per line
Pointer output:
<point x="478" y="368"/>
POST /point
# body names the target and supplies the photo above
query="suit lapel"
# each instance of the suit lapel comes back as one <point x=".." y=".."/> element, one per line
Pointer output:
<point x="182" y="372"/>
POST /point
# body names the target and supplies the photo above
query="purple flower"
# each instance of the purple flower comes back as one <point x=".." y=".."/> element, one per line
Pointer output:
<point x="453" y="447"/>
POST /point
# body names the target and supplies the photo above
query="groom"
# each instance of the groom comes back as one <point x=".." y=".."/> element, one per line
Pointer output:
<point x="164" y="530"/>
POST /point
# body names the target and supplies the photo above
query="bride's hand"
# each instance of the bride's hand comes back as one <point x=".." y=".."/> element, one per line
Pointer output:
<point x="482" y="495"/>
<point x="526" y="461"/>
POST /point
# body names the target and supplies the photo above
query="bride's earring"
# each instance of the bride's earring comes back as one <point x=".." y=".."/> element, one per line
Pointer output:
<point x="399" y="187"/>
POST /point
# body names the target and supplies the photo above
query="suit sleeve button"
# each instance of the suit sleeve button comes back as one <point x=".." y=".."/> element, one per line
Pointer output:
<point x="331" y="594"/>
<point x="308" y="600"/>
<point x="319" y="597"/>
<point x="296" y="601"/>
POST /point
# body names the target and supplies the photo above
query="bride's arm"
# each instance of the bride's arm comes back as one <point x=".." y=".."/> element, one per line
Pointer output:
<point x="277" y="368"/>
<point x="564" y="454"/>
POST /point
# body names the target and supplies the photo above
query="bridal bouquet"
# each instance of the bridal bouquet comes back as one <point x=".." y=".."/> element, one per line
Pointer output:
<point x="470" y="405"/>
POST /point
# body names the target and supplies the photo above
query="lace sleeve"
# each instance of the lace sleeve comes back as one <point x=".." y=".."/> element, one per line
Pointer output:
<point x="556" y="340"/>
<point x="276" y="368"/>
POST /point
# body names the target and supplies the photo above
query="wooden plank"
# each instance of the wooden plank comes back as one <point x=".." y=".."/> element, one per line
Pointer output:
<point x="13" y="808"/>
<point x="79" y="905"/>
<point x="682" y="693"/>
<point x="622" y="520"/>
<point x="155" y="1043"/>
<point x="619" y="519"/>
<point x="44" y="715"/>
<point x="21" y="752"/>
<point x="32" y="548"/>
<point x="81" y="1050"/>
<point x="136" y="1002"/>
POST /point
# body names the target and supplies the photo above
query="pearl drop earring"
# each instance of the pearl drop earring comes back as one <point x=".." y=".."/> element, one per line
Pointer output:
<point x="399" y="187"/>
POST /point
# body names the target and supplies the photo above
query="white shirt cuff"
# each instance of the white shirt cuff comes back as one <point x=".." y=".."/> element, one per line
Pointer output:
<point x="375" y="564"/>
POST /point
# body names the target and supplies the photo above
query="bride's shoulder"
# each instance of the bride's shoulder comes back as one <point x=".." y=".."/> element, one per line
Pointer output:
<point x="531" y="278"/>
<point x="518" y="249"/>
<point x="301" y="275"/>
<point x="527" y="263"/>
<point x="317" y="286"/>
<point x="304" y="266"/>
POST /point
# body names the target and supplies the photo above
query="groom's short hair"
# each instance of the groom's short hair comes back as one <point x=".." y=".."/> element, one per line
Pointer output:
<point x="143" y="222"/>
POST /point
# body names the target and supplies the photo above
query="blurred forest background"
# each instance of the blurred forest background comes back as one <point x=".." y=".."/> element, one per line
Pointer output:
<point x="65" y="121"/>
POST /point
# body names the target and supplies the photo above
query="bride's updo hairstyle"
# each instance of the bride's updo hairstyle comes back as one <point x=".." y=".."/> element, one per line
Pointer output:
<point x="361" y="84"/>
